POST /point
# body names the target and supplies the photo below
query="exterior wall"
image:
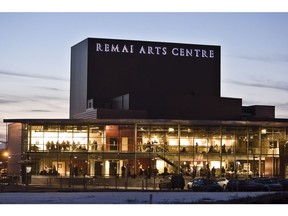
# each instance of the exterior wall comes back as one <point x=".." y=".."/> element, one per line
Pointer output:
<point x="15" y="145"/>
<point x="258" y="111"/>
<point x="102" y="149"/>
<point x="78" y="79"/>
<point x="112" y="74"/>
<point x="189" y="107"/>
<point x="283" y="166"/>
<point x="166" y="80"/>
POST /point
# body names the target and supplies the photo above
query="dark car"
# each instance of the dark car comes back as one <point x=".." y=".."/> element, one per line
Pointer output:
<point x="271" y="183"/>
<point x="205" y="184"/>
<point x="245" y="185"/>
<point x="283" y="182"/>
<point x="5" y="180"/>
<point x="172" y="182"/>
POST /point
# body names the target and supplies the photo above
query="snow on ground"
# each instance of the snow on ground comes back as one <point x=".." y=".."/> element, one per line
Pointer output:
<point x="117" y="203"/>
<point x="118" y="197"/>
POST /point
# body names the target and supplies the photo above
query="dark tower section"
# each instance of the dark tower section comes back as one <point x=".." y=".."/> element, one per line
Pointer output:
<point x="167" y="80"/>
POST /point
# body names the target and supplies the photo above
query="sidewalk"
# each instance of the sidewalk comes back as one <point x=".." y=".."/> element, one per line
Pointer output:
<point x="67" y="188"/>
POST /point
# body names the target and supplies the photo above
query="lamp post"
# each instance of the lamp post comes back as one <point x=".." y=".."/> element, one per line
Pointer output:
<point x="273" y="162"/>
<point x="254" y="168"/>
<point x="4" y="158"/>
<point x="71" y="169"/>
<point x="3" y="163"/>
<point x="11" y="164"/>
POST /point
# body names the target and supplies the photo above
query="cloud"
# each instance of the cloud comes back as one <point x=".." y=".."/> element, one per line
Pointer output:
<point x="12" y="99"/>
<point x="276" y="85"/>
<point x="56" y="100"/>
<point x="8" y="101"/>
<point x="48" y="98"/>
<point x="282" y="106"/>
<point x="280" y="58"/>
<point x="39" y="110"/>
<point x="51" y="88"/>
<point x="2" y="136"/>
<point x="35" y="76"/>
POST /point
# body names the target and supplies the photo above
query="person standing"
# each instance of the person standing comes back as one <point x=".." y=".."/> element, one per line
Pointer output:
<point x="213" y="172"/>
<point x="222" y="171"/>
<point x="123" y="170"/>
<point x="95" y="145"/>
<point x="196" y="147"/>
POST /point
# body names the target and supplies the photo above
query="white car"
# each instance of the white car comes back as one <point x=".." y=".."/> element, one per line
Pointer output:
<point x="189" y="185"/>
<point x="222" y="181"/>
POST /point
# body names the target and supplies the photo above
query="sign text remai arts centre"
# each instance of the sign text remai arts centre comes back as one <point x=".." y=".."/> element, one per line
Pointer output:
<point x="154" y="50"/>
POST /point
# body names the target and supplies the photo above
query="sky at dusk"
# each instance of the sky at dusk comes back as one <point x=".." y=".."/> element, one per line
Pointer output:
<point x="35" y="54"/>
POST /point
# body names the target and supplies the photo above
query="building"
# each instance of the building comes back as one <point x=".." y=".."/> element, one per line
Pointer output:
<point x="138" y="107"/>
<point x="150" y="79"/>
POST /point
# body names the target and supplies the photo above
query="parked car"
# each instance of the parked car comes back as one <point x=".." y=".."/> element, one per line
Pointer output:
<point x="205" y="184"/>
<point x="283" y="182"/>
<point x="245" y="185"/>
<point x="5" y="180"/>
<point x="189" y="185"/>
<point x="172" y="182"/>
<point x="222" y="181"/>
<point x="271" y="183"/>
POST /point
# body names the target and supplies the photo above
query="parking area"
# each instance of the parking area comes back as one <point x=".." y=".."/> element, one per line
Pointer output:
<point x="165" y="183"/>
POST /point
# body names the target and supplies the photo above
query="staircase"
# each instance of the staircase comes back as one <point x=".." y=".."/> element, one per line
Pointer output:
<point x="168" y="161"/>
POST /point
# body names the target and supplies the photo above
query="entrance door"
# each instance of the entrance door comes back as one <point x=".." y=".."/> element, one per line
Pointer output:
<point x="98" y="168"/>
<point x="113" y="168"/>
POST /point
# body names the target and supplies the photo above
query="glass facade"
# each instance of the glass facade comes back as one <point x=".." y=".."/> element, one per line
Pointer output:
<point x="145" y="148"/>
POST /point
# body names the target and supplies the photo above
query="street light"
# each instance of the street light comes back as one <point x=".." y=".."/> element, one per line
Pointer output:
<point x="71" y="166"/>
<point x="3" y="161"/>
<point x="6" y="154"/>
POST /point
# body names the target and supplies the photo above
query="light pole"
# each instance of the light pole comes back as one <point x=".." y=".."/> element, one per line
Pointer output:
<point x="273" y="162"/>
<point x="254" y="169"/>
<point x="4" y="159"/>
<point x="71" y="169"/>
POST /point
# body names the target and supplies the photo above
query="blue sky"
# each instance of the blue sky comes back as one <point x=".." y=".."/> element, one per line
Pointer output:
<point x="35" y="54"/>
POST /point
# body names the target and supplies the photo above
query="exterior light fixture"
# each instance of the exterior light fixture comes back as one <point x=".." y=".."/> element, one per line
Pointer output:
<point x="263" y="131"/>
<point x="6" y="154"/>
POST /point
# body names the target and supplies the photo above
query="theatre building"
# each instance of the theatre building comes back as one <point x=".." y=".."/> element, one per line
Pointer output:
<point x="138" y="108"/>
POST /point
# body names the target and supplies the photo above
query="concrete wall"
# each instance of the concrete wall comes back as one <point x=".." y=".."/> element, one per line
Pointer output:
<point x="14" y="148"/>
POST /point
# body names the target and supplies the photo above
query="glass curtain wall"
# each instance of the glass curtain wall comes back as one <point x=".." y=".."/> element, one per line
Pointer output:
<point x="150" y="149"/>
<point x="59" y="148"/>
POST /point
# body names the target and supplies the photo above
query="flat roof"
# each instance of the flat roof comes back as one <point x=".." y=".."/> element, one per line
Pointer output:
<point x="263" y="122"/>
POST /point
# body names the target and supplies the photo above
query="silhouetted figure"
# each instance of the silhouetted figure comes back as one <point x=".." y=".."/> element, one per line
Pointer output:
<point x="223" y="149"/>
<point x="213" y="171"/>
<point x="201" y="172"/>
<point x="194" y="171"/>
<point x="123" y="170"/>
<point x="141" y="172"/>
<point x="211" y="149"/>
<point x="165" y="171"/>
<point x="95" y="145"/>
<point x="75" y="170"/>
<point x="196" y="147"/>
<point x="222" y="171"/>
